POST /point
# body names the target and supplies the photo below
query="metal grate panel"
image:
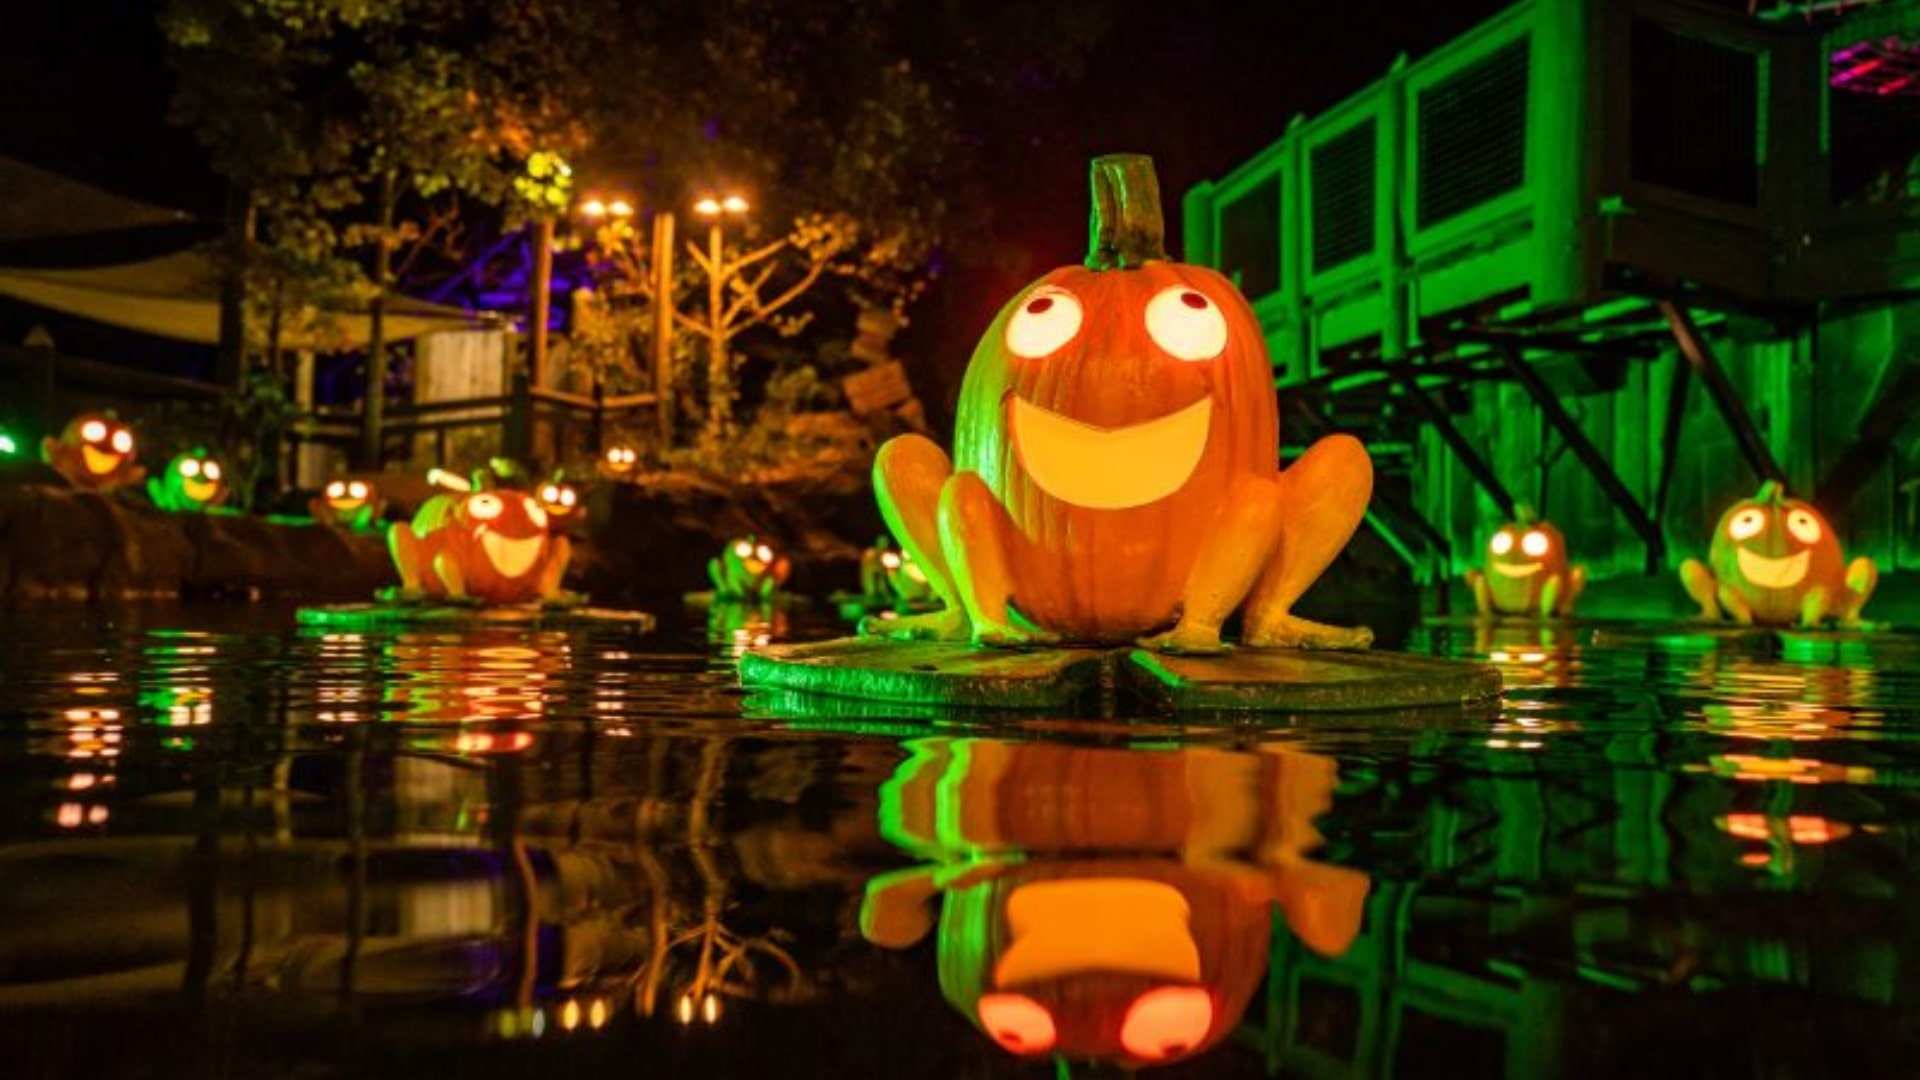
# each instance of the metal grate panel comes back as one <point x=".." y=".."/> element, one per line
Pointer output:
<point x="1343" y="193"/>
<point x="1472" y="135"/>
<point x="1694" y="111"/>
<point x="1250" y="239"/>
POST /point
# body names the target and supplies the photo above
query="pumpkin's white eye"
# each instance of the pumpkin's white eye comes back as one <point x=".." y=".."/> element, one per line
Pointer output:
<point x="765" y="553"/>
<point x="1535" y="543"/>
<point x="1502" y="542"/>
<point x="567" y="497"/>
<point x="535" y="512"/>
<point x="211" y="469"/>
<point x="93" y="431"/>
<point x="1804" y="526"/>
<point x="189" y="467"/>
<point x="357" y="489"/>
<point x="1047" y="319"/>
<point x="743" y="549"/>
<point x="485" y="507"/>
<point x="123" y="441"/>
<point x="1187" y="324"/>
<point x="890" y="561"/>
<point x="336" y="489"/>
<point x="550" y="493"/>
<point x="1747" y="523"/>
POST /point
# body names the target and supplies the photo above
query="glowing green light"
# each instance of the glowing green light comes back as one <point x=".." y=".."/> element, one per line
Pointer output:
<point x="7" y="445"/>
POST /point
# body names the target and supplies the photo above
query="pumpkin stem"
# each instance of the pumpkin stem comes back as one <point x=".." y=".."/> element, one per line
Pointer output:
<point x="1770" y="492"/>
<point x="1525" y="514"/>
<point x="1127" y="228"/>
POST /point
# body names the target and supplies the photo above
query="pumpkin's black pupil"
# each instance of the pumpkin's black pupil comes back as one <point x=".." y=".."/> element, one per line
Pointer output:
<point x="1193" y="300"/>
<point x="1039" y="304"/>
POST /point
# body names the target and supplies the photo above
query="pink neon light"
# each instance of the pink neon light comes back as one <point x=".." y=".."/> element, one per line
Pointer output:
<point x="1860" y="69"/>
<point x="1896" y="85"/>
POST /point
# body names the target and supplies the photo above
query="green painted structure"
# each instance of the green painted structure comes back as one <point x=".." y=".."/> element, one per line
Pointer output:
<point x="1506" y="220"/>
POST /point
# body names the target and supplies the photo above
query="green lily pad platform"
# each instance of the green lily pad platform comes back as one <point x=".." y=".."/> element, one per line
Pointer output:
<point x="873" y="670"/>
<point x="469" y="616"/>
<point x="780" y="601"/>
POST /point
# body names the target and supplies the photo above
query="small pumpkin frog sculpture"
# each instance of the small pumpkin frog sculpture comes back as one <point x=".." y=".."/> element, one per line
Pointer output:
<point x="95" y="452"/>
<point x="487" y="544"/>
<point x="347" y="504"/>
<point x="1775" y="561"/>
<point x="1115" y="474"/>
<point x="619" y="462"/>
<point x="748" y="569"/>
<point x="194" y="483"/>
<point x="1527" y="572"/>
<point x="1111" y="905"/>
<point x="564" y="503"/>
<point x="890" y="577"/>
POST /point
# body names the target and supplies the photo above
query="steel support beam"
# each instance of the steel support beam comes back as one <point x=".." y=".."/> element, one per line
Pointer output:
<point x="1670" y="436"/>
<point x="1589" y="454"/>
<point x="1732" y="410"/>
<point x="1475" y="464"/>
<point x="1883" y="422"/>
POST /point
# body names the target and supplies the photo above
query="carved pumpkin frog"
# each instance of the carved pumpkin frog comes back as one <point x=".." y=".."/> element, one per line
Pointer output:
<point x="1104" y="904"/>
<point x="1115" y="469"/>
<point x="488" y="545"/>
<point x="193" y="483"/>
<point x="1527" y="571"/>
<point x="748" y="569"/>
<point x="95" y="452"/>
<point x="1775" y="561"/>
<point x="346" y="504"/>
<point x="890" y="576"/>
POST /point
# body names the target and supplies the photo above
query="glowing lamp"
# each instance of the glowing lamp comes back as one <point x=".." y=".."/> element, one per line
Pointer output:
<point x="620" y="208"/>
<point x="1113" y="458"/>
<point x="734" y="204"/>
<point x="708" y="207"/>
<point x="7" y="445"/>
<point x="593" y="208"/>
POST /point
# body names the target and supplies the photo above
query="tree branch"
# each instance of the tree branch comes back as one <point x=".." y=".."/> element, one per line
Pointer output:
<point x="749" y="294"/>
<point x="752" y="257"/>
<point x="761" y="312"/>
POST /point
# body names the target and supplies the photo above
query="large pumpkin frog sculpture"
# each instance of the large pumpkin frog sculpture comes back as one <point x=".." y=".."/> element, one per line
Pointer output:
<point x="748" y="569"/>
<point x="1774" y="561"/>
<point x="1527" y="571"/>
<point x="1102" y="904"/>
<point x="488" y="545"/>
<point x="1115" y="469"/>
<point x="194" y="482"/>
<point x="94" y="453"/>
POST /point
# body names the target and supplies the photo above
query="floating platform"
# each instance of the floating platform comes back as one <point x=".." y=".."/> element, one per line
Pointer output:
<point x="1872" y="643"/>
<point x="444" y="616"/>
<point x="923" y="673"/>
<point x="780" y="601"/>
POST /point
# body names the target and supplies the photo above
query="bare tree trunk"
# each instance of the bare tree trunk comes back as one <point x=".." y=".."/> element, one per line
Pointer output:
<point x="542" y="298"/>
<point x="719" y="373"/>
<point x="663" y="325"/>
<point x="373" y="417"/>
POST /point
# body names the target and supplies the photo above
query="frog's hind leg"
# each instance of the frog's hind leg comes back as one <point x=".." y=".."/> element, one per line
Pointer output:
<point x="1576" y="584"/>
<point x="1325" y="494"/>
<point x="1702" y="587"/>
<point x="558" y="556"/>
<point x="410" y="560"/>
<point x="909" y="474"/>
<point x="1862" y="576"/>
<point x="1482" y="594"/>
<point x="1239" y="545"/>
<point x="974" y="534"/>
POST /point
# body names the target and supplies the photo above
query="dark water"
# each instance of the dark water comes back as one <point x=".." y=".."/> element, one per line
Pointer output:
<point x="232" y="848"/>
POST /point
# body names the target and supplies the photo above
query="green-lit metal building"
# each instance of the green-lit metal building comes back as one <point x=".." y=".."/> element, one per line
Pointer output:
<point x="1617" y="259"/>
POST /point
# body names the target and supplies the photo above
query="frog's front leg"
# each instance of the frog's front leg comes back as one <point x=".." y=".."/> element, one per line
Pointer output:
<point x="1575" y="584"/>
<point x="909" y="474"/>
<point x="453" y="581"/>
<point x="1862" y="576"/>
<point x="1815" y="605"/>
<point x="409" y="558"/>
<point x="1703" y="587"/>
<point x="975" y="536"/>
<point x="559" y="554"/>
<point x="1482" y="594"/>
<point x="1240" y="542"/>
<point x="1324" y="496"/>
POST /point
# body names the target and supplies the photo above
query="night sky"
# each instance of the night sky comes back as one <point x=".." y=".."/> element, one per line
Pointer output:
<point x="1199" y="85"/>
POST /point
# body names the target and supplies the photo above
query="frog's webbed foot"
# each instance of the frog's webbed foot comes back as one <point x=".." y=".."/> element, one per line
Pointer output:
<point x="1009" y="636"/>
<point x="947" y="624"/>
<point x="1293" y="632"/>
<point x="1185" y="639"/>
<point x="1862" y="576"/>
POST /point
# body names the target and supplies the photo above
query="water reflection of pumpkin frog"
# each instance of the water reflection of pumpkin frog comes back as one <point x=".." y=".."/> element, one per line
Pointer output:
<point x="1107" y="904"/>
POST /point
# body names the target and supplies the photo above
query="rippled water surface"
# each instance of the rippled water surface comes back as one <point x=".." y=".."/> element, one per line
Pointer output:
<point x="234" y="847"/>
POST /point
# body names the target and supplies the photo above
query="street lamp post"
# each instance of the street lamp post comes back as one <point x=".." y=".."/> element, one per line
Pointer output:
<point x="719" y="375"/>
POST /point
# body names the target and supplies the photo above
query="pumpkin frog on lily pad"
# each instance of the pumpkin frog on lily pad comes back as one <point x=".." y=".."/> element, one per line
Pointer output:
<point x="95" y="452"/>
<point x="491" y="545"/>
<point x="347" y="504"/>
<point x="194" y="482"/>
<point x="1775" y="561"/>
<point x="1115" y="473"/>
<point x="749" y="568"/>
<point x="1526" y="571"/>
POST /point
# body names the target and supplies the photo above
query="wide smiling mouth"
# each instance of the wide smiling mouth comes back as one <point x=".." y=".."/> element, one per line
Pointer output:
<point x="99" y="461"/>
<point x="1516" y="570"/>
<point x="346" y="504"/>
<point x="1770" y="573"/>
<point x="199" y="490"/>
<point x="1109" y="468"/>
<point x="509" y="556"/>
